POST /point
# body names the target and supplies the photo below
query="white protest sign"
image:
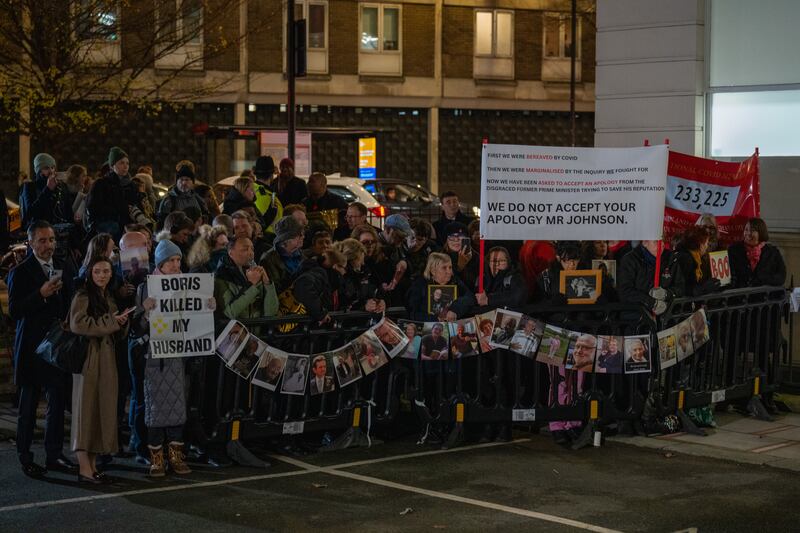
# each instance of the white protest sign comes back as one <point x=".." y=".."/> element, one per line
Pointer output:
<point x="556" y="193"/>
<point x="182" y="323"/>
<point x="720" y="266"/>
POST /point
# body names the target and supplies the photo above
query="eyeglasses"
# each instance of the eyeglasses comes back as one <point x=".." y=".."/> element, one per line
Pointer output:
<point x="498" y="261"/>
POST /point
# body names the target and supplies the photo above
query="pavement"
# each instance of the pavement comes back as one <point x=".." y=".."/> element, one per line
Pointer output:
<point x="669" y="484"/>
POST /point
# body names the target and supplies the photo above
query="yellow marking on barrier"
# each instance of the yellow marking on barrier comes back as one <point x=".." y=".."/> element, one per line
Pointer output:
<point x="356" y="417"/>
<point x="459" y="412"/>
<point x="235" y="430"/>
<point x="756" y="386"/>
<point x="594" y="407"/>
<point x="680" y="399"/>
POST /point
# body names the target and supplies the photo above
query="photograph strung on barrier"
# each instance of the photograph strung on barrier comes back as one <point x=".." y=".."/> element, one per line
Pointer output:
<point x="526" y="337"/>
<point x="581" y="286"/>
<point x="439" y="299"/>
<point x="295" y="375"/>
<point x="699" y="325"/>
<point x="246" y="360"/>
<point x="485" y="323"/>
<point x="391" y="336"/>
<point x="683" y="336"/>
<point x="231" y="340"/>
<point x="270" y="368"/>
<point x="581" y="353"/>
<point x="554" y="345"/>
<point x="667" y="348"/>
<point x="505" y="325"/>
<point x="463" y="338"/>
<point x="607" y="267"/>
<point x="321" y="379"/>
<point x="609" y="354"/>
<point x="346" y="364"/>
<point x="370" y="352"/>
<point x="435" y="341"/>
<point x="637" y="354"/>
<point x="413" y="332"/>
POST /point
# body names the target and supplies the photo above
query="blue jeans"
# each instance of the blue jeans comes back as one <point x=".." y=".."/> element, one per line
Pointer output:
<point x="136" y="362"/>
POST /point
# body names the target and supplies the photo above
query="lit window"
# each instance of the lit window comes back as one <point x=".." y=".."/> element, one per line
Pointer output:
<point x="494" y="33"/>
<point x="97" y="21"/>
<point x="315" y="13"/>
<point x="380" y="28"/>
<point x="558" y="40"/>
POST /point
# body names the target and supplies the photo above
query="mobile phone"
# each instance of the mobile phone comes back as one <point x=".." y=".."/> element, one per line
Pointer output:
<point x="466" y="243"/>
<point x="56" y="274"/>
<point x="128" y="311"/>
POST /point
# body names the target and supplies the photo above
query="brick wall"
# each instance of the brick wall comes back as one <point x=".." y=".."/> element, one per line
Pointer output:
<point x="457" y="46"/>
<point x="343" y="41"/>
<point x="419" y="29"/>
<point x="528" y="43"/>
<point x="221" y="35"/>
<point x="265" y="36"/>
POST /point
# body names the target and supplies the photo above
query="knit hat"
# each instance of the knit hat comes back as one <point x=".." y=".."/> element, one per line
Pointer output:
<point x="265" y="167"/>
<point x="455" y="228"/>
<point x="184" y="172"/>
<point x="287" y="228"/>
<point x="115" y="154"/>
<point x="166" y="249"/>
<point x="43" y="160"/>
<point x="398" y="222"/>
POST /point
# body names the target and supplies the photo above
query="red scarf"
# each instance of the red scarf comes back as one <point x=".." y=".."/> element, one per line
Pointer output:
<point x="754" y="254"/>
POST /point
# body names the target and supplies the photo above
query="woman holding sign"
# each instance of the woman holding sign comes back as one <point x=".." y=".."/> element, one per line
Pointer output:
<point x="754" y="261"/>
<point x="94" y="314"/>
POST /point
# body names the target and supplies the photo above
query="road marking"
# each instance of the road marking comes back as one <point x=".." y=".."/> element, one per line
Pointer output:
<point x="772" y="430"/>
<point x="773" y="447"/>
<point x="156" y="490"/>
<point x="334" y="471"/>
<point x="306" y="469"/>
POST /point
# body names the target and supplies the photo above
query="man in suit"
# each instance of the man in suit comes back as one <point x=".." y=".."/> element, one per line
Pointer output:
<point x="320" y="380"/>
<point x="346" y="367"/>
<point x="39" y="292"/>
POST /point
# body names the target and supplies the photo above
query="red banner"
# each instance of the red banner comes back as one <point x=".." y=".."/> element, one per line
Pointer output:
<point x="696" y="186"/>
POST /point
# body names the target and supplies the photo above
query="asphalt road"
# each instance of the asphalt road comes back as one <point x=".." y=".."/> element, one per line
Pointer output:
<point x="528" y="485"/>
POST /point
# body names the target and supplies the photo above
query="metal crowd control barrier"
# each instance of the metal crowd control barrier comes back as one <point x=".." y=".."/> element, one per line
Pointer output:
<point x="238" y="411"/>
<point x="741" y="361"/>
<point x="502" y="387"/>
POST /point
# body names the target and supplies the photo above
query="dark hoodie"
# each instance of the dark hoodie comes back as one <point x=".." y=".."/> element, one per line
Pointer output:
<point x="110" y="198"/>
<point x="38" y="202"/>
<point x="317" y="288"/>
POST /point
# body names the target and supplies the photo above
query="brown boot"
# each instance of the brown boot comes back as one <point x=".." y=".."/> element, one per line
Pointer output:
<point x="157" y="466"/>
<point x="177" y="461"/>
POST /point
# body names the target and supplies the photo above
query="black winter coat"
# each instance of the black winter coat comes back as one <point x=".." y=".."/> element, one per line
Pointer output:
<point x="38" y="202"/>
<point x="34" y="315"/>
<point x="691" y="285"/>
<point x="440" y="225"/>
<point x="234" y="201"/>
<point x="770" y="270"/>
<point x="315" y="288"/>
<point x="417" y="299"/>
<point x="295" y="191"/>
<point x="548" y="286"/>
<point x="109" y="199"/>
<point x="506" y="289"/>
<point x="357" y="288"/>
<point x="635" y="277"/>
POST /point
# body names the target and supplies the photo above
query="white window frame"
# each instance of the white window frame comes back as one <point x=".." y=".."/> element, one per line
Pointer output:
<point x="493" y="65"/>
<point x="316" y="58"/>
<point x="381" y="62"/>
<point x="101" y="51"/>
<point x="557" y="68"/>
<point x="189" y="54"/>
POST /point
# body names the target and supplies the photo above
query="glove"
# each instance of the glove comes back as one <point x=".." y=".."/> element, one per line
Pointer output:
<point x="659" y="293"/>
<point x="659" y="307"/>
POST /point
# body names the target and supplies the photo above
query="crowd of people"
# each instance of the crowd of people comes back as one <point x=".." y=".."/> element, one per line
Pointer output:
<point x="276" y="245"/>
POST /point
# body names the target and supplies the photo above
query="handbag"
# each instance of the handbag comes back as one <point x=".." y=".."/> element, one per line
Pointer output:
<point x="63" y="349"/>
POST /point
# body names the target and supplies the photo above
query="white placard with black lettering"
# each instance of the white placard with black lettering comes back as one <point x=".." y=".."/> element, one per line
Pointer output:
<point x="545" y="192"/>
<point x="182" y="323"/>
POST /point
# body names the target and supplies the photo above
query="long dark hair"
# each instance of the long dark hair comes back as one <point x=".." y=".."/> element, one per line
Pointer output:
<point x="98" y="304"/>
<point x="97" y="248"/>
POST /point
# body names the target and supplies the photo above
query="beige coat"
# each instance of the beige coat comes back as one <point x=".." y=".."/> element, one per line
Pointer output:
<point x="94" y="390"/>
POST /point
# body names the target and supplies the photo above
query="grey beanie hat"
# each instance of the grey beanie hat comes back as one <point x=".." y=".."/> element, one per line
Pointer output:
<point x="287" y="228"/>
<point x="166" y="249"/>
<point x="43" y="160"/>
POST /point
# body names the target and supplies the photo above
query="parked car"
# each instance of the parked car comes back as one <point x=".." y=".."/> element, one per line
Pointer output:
<point x="350" y="189"/>
<point x="411" y="199"/>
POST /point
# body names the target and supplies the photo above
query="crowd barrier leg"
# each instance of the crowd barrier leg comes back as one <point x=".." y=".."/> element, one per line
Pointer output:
<point x="354" y="436"/>
<point x="687" y="423"/>
<point x="587" y="435"/>
<point x="238" y="452"/>
<point x="755" y="406"/>
<point x="456" y="436"/>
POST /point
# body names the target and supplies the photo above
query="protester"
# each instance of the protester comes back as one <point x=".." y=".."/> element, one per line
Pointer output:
<point x="209" y="198"/>
<point x="320" y="199"/>
<point x="242" y="289"/>
<point x="534" y="258"/>
<point x="420" y="246"/>
<point x="38" y="296"/>
<point x="45" y="197"/>
<point x="290" y="188"/>
<point x="320" y="241"/>
<point x="691" y="256"/>
<point x="164" y="379"/>
<point x="355" y="215"/>
<point x="753" y="260"/>
<point x="179" y="229"/>
<point x="298" y="212"/>
<point x="283" y="261"/>
<point x="225" y="221"/>
<point x="240" y="197"/>
<point x="438" y="271"/>
<point x="636" y="277"/>
<point x="709" y="222"/>
<point x="591" y="250"/>
<point x="245" y="226"/>
<point x="78" y="184"/>
<point x="358" y="292"/>
<point x="458" y="246"/>
<point x="208" y="249"/>
<point x="451" y="212"/>
<point x="94" y="314"/>
<point x="503" y="285"/>
<point x="112" y="196"/>
<point x="317" y="284"/>
<point x="182" y="194"/>
<point x="618" y="249"/>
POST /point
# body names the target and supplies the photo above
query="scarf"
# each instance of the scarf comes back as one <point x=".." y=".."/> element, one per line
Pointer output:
<point x="754" y="254"/>
<point x="698" y="272"/>
<point x="293" y="260"/>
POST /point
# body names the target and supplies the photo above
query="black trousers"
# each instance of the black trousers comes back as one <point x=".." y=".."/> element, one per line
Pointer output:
<point x="54" y="420"/>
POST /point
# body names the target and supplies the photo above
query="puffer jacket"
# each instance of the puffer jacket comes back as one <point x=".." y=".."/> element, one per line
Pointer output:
<point x="237" y="298"/>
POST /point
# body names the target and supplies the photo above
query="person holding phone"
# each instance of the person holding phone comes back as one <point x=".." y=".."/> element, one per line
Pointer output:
<point x="94" y="314"/>
<point x="458" y="246"/>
